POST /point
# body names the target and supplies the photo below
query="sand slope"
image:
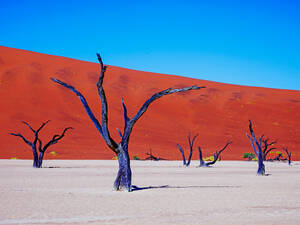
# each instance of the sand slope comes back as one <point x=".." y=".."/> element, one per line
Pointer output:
<point x="218" y="113"/>
<point x="80" y="192"/>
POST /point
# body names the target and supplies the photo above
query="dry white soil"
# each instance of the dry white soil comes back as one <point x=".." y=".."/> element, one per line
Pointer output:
<point x="80" y="192"/>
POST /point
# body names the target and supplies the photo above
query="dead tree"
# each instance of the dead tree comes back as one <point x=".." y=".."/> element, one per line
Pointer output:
<point x="257" y="147"/>
<point x="278" y="157"/>
<point x="152" y="157"/>
<point x="38" y="157"/>
<point x="217" y="154"/>
<point x="267" y="147"/>
<point x="289" y="154"/>
<point x="123" y="180"/>
<point x="191" y="143"/>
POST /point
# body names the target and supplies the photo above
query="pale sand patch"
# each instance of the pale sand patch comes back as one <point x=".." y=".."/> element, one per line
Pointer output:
<point x="80" y="192"/>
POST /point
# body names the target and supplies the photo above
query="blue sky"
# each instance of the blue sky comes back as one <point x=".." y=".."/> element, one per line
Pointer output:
<point x="253" y="43"/>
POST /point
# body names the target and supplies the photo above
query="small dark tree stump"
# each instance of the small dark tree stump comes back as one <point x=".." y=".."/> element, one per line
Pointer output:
<point x="152" y="157"/>
<point x="289" y="154"/>
<point x="217" y="155"/>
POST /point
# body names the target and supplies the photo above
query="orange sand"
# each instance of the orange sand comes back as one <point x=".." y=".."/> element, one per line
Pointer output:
<point x="218" y="113"/>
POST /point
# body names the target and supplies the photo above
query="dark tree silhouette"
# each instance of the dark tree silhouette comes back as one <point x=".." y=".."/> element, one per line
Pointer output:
<point x="289" y="154"/>
<point x="216" y="156"/>
<point x="267" y="147"/>
<point x="38" y="158"/>
<point x="123" y="180"/>
<point x="191" y="143"/>
<point x="278" y="157"/>
<point x="257" y="147"/>
<point x="152" y="157"/>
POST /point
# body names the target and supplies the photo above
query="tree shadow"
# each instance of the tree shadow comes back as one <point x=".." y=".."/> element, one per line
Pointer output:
<point x="63" y="167"/>
<point x="136" y="188"/>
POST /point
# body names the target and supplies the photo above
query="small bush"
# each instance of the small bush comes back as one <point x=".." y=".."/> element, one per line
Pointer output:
<point x="249" y="156"/>
<point x="53" y="153"/>
<point x="135" y="157"/>
<point x="210" y="158"/>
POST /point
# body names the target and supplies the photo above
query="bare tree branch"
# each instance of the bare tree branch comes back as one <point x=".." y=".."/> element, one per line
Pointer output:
<point x="55" y="139"/>
<point x="191" y="143"/>
<point x="252" y="143"/>
<point x="21" y="136"/>
<point x="90" y="114"/>
<point x="126" y="118"/>
<point x="217" y="154"/>
<point x="120" y="133"/>
<point x="84" y="103"/>
<point x="43" y="124"/>
<point x="28" y="125"/>
<point x="104" y="115"/>
<point x="145" y="106"/>
<point x="265" y="148"/>
<point x="36" y="133"/>
<point x="182" y="154"/>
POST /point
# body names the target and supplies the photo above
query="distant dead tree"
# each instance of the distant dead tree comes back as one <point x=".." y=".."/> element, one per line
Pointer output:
<point x="267" y="147"/>
<point x="216" y="156"/>
<point x="191" y="143"/>
<point x="289" y="154"/>
<point x="257" y="147"/>
<point x="152" y="157"/>
<point x="278" y="157"/>
<point x="38" y="158"/>
<point x="123" y="180"/>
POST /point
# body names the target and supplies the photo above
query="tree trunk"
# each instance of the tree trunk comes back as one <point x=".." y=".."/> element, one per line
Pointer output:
<point x="35" y="159"/>
<point x="289" y="158"/>
<point x="202" y="163"/>
<point x="261" y="166"/>
<point x="40" y="162"/>
<point x="182" y="154"/>
<point x="123" y="180"/>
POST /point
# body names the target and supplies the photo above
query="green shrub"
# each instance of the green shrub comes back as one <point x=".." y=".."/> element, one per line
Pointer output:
<point x="249" y="156"/>
<point x="53" y="153"/>
<point x="135" y="157"/>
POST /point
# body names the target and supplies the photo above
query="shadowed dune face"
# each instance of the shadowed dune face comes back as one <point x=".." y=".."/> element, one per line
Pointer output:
<point x="218" y="113"/>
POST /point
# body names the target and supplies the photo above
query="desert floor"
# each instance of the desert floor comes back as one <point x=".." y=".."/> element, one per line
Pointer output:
<point x="80" y="192"/>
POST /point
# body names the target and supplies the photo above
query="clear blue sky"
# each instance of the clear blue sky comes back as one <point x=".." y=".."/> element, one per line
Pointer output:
<point x="253" y="42"/>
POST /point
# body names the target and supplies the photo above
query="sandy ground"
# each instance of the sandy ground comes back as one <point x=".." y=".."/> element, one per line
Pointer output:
<point x="80" y="192"/>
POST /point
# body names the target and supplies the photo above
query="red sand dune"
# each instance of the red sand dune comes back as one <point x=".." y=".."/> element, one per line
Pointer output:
<point x="218" y="113"/>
